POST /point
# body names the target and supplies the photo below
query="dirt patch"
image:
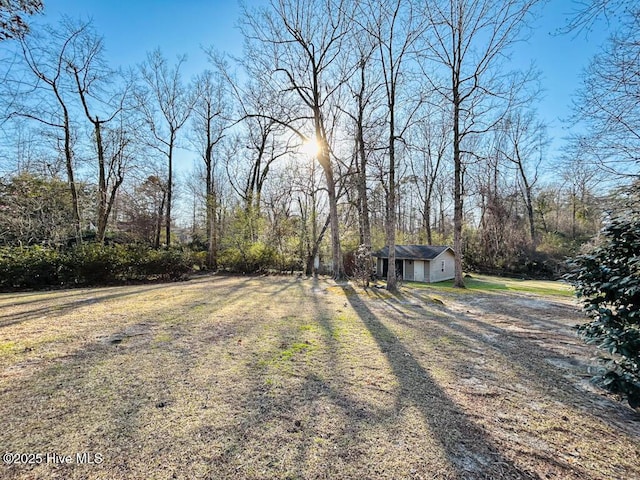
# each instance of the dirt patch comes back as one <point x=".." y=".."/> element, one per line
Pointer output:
<point x="280" y="377"/>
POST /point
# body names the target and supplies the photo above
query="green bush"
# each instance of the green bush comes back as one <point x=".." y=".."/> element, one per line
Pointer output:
<point x="93" y="264"/>
<point x="231" y="259"/>
<point x="90" y="264"/>
<point x="255" y="258"/>
<point x="32" y="267"/>
<point x="262" y="256"/>
<point x="171" y="263"/>
<point x="199" y="260"/>
<point x="608" y="281"/>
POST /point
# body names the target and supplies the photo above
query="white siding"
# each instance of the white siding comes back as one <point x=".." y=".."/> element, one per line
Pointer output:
<point x="442" y="267"/>
<point x="426" y="270"/>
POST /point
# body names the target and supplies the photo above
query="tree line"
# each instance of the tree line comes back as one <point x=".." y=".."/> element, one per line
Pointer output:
<point x="346" y="125"/>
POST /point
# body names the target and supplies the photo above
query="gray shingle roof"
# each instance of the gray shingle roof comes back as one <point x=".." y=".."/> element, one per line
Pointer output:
<point x="412" y="252"/>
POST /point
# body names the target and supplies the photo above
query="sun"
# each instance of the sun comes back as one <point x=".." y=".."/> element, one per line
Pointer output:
<point x="311" y="147"/>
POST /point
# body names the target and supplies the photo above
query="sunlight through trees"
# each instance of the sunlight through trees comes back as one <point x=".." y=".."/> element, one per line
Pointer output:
<point x="345" y="126"/>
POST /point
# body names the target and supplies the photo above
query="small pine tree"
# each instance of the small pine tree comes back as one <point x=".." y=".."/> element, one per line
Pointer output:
<point x="608" y="281"/>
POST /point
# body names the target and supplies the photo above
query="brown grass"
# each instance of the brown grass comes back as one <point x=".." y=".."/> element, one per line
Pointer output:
<point x="279" y="377"/>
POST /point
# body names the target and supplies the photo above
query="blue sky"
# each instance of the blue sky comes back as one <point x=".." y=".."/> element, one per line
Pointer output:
<point x="133" y="27"/>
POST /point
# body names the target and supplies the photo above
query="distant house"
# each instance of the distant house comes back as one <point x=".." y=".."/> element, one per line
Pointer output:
<point x="419" y="263"/>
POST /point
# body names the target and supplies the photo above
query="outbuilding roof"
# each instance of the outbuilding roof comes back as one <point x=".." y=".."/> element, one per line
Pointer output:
<point x="413" y="252"/>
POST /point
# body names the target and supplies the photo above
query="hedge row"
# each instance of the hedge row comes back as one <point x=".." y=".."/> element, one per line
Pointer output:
<point x="91" y="264"/>
<point x="254" y="258"/>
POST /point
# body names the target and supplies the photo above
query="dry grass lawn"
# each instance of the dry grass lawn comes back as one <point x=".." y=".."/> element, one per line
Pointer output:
<point x="291" y="378"/>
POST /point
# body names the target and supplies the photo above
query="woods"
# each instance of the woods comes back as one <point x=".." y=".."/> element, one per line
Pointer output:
<point x="251" y="265"/>
<point x="346" y="126"/>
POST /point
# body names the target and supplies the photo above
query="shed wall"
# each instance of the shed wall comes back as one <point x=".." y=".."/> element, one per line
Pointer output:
<point x="438" y="272"/>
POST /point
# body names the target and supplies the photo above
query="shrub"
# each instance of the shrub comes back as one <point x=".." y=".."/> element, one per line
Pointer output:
<point x="255" y="258"/>
<point x="32" y="267"/>
<point x="93" y="264"/>
<point x="89" y="264"/>
<point x="262" y="257"/>
<point x="199" y="260"/>
<point x="172" y="263"/>
<point x="608" y="281"/>
<point x="230" y="259"/>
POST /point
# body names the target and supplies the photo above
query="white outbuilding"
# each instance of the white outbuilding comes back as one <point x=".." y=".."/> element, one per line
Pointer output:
<point x="418" y="263"/>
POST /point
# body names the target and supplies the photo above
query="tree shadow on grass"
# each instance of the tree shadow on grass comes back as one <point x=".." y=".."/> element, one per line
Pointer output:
<point x="310" y="422"/>
<point x="466" y="445"/>
<point x="64" y="300"/>
<point x="260" y="424"/>
<point x="534" y="360"/>
<point x="42" y="313"/>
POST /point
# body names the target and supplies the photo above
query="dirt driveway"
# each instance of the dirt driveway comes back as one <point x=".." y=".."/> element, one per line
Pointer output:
<point x="285" y="377"/>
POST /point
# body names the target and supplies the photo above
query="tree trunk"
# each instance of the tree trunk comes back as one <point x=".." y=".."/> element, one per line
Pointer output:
<point x="391" y="206"/>
<point x="323" y="158"/>
<point x="528" y="201"/>
<point x="457" y="195"/>
<point x="102" y="180"/>
<point x="112" y="199"/>
<point x="68" y="155"/>
<point x="574" y="213"/>
<point x="532" y="225"/>
<point x="442" y="229"/>
<point x="102" y="185"/>
<point x="169" y="193"/>
<point x="363" y="201"/>
<point x="426" y="218"/>
<point x="529" y="206"/>
<point x="213" y="242"/>
<point x="210" y="221"/>
<point x="159" y="221"/>
<point x="362" y="177"/>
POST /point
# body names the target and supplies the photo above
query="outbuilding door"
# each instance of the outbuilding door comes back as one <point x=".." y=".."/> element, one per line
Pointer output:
<point x="408" y="270"/>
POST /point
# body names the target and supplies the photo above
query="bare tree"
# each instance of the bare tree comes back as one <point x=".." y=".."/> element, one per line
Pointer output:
<point x="363" y="97"/>
<point x="143" y="209"/>
<point x="492" y="182"/>
<point x="469" y="39"/>
<point x="607" y="104"/>
<point x="210" y="113"/>
<point x="306" y="181"/>
<point x="101" y="104"/>
<point x="261" y="142"/>
<point x="586" y="13"/>
<point x="580" y="182"/>
<point x="364" y="87"/>
<point x="393" y="27"/>
<point x="120" y="150"/>
<point x="47" y="56"/>
<point x="361" y="152"/>
<point x="430" y="143"/>
<point x="523" y="145"/>
<point x="301" y="42"/>
<point x="12" y="23"/>
<point x="166" y="105"/>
